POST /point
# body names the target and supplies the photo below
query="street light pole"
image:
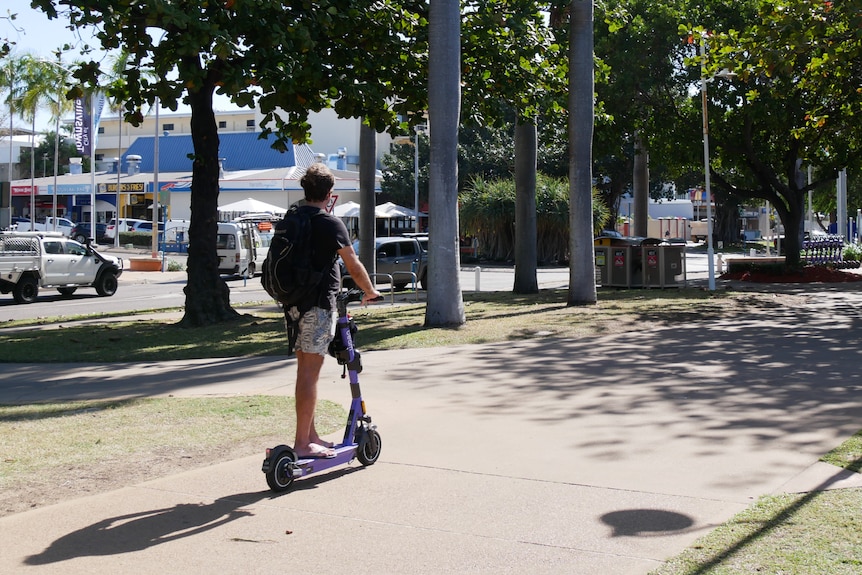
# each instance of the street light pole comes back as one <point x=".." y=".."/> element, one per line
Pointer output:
<point x="709" y="247"/>
<point x="418" y="129"/>
<point x="155" y="203"/>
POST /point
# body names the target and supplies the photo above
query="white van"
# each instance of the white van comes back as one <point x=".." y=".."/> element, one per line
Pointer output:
<point x="177" y="231"/>
<point x="240" y="249"/>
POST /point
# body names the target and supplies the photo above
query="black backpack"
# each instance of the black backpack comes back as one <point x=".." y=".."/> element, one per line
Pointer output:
<point x="288" y="274"/>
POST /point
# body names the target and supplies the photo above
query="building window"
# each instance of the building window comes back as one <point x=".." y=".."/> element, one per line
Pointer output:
<point x="222" y="125"/>
<point x="168" y="127"/>
<point x="101" y="129"/>
<point x="249" y="123"/>
<point x="100" y="157"/>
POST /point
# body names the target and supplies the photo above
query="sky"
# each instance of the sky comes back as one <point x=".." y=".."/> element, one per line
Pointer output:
<point x="33" y="32"/>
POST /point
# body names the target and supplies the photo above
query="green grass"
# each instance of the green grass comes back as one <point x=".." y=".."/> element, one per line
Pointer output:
<point x="807" y="534"/>
<point x="788" y="534"/>
<point x="848" y="455"/>
<point x="57" y="451"/>
<point x="83" y="432"/>
<point x="491" y="317"/>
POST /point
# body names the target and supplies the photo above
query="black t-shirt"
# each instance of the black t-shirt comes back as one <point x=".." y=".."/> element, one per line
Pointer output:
<point x="328" y="235"/>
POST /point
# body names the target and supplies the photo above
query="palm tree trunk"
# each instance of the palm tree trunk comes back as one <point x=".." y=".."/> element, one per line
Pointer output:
<point x="445" y="303"/>
<point x="582" y="280"/>
<point x="526" y="151"/>
<point x="367" y="199"/>
<point x="640" y="181"/>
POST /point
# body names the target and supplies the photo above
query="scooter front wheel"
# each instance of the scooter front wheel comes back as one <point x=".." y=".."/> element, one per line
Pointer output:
<point x="369" y="447"/>
<point x="279" y="476"/>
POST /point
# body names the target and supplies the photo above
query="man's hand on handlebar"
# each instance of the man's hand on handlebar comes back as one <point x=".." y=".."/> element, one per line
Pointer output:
<point x="371" y="296"/>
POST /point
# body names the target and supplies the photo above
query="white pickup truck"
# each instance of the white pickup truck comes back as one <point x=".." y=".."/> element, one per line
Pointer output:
<point x="63" y="226"/>
<point x="33" y="260"/>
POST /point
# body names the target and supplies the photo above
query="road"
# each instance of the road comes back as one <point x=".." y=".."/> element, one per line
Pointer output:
<point x="155" y="290"/>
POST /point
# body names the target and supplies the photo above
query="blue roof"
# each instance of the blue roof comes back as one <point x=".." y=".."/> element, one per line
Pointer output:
<point x="241" y="151"/>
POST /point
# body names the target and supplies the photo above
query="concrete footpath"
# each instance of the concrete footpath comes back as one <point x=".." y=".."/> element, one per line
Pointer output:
<point x="604" y="455"/>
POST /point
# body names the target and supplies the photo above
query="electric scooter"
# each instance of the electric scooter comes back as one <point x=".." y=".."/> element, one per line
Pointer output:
<point x="361" y="440"/>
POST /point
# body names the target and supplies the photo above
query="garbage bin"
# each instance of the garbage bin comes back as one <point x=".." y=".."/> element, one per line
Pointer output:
<point x="618" y="261"/>
<point x="673" y="265"/>
<point x="639" y="262"/>
<point x="602" y="259"/>
<point x="663" y="264"/>
<point x="652" y="255"/>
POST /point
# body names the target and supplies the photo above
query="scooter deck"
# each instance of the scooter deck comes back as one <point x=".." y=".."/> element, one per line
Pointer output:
<point x="305" y="466"/>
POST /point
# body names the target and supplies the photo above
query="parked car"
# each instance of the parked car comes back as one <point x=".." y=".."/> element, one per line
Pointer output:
<point x="145" y="227"/>
<point x="398" y="257"/>
<point x="422" y="238"/>
<point x="124" y="225"/>
<point x="81" y="232"/>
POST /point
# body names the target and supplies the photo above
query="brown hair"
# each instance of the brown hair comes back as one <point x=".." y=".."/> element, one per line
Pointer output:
<point x="317" y="182"/>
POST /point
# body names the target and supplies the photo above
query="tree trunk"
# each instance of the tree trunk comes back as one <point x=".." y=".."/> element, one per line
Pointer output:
<point x="640" y="188"/>
<point x="445" y="303"/>
<point x="207" y="294"/>
<point x="791" y="212"/>
<point x="367" y="198"/>
<point x="582" y="271"/>
<point x="526" y="151"/>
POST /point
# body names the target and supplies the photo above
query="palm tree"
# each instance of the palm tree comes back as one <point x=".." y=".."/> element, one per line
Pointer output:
<point x="59" y="106"/>
<point x="367" y="221"/>
<point x="582" y="284"/>
<point x="36" y="80"/>
<point x="526" y="152"/>
<point x="445" y="303"/>
<point x="11" y="81"/>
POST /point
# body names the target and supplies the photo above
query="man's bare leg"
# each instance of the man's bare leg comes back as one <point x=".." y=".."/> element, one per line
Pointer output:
<point x="308" y="367"/>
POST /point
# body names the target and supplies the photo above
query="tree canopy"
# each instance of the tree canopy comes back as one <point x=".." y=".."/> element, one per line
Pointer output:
<point x="287" y="58"/>
<point x="795" y="101"/>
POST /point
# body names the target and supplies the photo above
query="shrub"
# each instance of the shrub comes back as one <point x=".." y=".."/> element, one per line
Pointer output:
<point x="487" y="212"/>
<point x="139" y="239"/>
<point x="852" y="253"/>
<point x="174" y="266"/>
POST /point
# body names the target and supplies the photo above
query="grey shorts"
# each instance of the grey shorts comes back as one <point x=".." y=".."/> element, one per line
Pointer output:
<point x="316" y="329"/>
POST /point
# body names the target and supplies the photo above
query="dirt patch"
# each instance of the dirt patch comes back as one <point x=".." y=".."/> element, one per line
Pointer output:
<point x="808" y="274"/>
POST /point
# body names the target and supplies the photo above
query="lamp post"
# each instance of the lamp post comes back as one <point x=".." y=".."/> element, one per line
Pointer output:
<point x="155" y="204"/>
<point x="418" y="129"/>
<point x="709" y="227"/>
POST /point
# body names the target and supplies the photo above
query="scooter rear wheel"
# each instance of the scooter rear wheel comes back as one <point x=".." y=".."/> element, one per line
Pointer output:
<point x="279" y="477"/>
<point x="369" y="447"/>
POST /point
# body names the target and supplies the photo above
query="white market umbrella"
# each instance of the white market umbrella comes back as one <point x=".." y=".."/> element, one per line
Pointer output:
<point x="346" y="210"/>
<point x="391" y="210"/>
<point x="251" y="205"/>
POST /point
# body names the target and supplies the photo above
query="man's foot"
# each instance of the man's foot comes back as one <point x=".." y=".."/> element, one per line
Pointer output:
<point x="315" y="451"/>
<point x="323" y="442"/>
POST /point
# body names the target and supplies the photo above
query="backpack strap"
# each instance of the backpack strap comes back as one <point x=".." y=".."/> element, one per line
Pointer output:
<point x="292" y="328"/>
